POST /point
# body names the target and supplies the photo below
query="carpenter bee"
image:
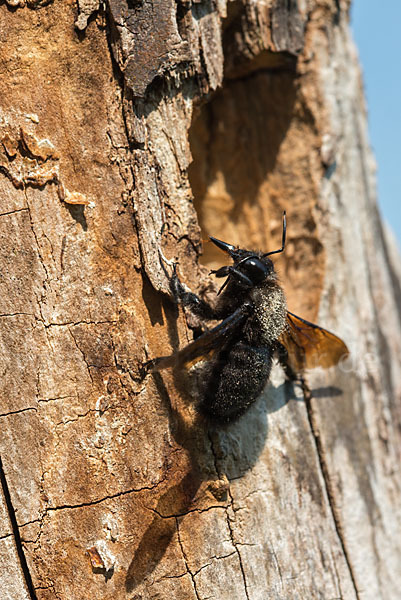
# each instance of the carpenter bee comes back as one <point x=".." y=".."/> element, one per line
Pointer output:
<point x="255" y="327"/>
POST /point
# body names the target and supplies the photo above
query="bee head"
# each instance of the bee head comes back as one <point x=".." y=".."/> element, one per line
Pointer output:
<point x="257" y="268"/>
<point x="250" y="268"/>
<point x="254" y="267"/>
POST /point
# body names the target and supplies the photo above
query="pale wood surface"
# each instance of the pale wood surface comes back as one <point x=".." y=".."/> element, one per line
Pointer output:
<point x="117" y="491"/>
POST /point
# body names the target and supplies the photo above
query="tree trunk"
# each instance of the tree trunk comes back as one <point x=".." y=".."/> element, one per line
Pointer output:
<point x="129" y="127"/>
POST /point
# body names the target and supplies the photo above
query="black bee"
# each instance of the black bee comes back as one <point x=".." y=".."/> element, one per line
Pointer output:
<point x="255" y="326"/>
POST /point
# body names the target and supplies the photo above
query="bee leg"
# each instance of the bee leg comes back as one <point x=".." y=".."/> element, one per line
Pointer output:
<point x="282" y="356"/>
<point x="183" y="295"/>
<point x="188" y="299"/>
<point x="240" y="277"/>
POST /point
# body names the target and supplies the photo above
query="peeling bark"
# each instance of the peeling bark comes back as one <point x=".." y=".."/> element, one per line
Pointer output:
<point x="130" y="126"/>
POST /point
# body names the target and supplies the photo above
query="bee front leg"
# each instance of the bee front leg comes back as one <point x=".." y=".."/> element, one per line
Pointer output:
<point x="188" y="299"/>
<point x="183" y="295"/>
<point x="237" y="275"/>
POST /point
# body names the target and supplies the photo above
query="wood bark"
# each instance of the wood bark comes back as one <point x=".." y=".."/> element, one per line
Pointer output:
<point x="130" y="126"/>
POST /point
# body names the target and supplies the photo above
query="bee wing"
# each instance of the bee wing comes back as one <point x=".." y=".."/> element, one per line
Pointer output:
<point x="205" y="345"/>
<point x="310" y="346"/>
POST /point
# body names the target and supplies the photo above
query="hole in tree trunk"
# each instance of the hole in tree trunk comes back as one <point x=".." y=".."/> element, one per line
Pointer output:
<point x="235" y="141"/>
<point x="251" y="146"/>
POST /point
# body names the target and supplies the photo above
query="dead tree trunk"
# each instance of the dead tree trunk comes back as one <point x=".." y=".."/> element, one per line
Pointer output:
<point x="129" y="126"/>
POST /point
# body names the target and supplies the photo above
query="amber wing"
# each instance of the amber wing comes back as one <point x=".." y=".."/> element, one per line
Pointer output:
<point x="204" y="346"/>
<point x="311" y="346"/>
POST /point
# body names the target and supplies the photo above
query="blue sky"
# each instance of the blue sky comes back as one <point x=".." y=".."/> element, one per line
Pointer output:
<point x="376" y="28"/>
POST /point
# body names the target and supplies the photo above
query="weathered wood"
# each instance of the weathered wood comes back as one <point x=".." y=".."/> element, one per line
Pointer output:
<point x="136" y="126"/>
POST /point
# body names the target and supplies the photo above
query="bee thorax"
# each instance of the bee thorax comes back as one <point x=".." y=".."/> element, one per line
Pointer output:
<point x="270" y="310"/>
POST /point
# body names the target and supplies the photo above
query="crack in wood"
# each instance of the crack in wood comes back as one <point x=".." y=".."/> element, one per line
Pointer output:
<point x="327" y="482"/>
<point x="12" y="212"/>
<point x="187" y="512"/>
<point x="83" y="355"/>
<point x="192" y="575"/>
<point x="17" y="314"/>
<point x="16" y="534"/>
<point x="74" y="323"/>
<point x="234" y="543"/>
<point x="99" y="500"/>
<point x="92" y="502"/>
<point x="17" y="412"/>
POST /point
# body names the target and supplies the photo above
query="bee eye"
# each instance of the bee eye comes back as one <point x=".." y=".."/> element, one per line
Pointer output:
<point x="255" y="269"/>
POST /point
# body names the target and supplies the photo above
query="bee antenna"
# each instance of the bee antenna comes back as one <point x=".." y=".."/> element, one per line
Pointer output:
<point x="283" y="238"/>
<point x="223" y="286"/>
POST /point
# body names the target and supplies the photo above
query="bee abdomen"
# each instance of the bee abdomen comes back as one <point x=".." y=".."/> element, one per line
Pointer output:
<point x="236" y="380"/>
